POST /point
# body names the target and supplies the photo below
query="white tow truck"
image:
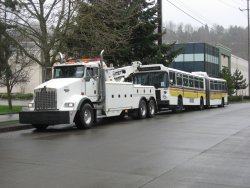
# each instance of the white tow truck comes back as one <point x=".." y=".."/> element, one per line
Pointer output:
<point x="83" y="90"/>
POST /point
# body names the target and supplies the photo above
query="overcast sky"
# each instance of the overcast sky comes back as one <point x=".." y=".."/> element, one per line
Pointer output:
<point x="210" y="12"/>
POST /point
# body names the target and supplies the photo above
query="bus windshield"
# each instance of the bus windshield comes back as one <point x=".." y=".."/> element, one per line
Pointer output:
<point x="69" y="72"/>
<point x="157" y="79"/>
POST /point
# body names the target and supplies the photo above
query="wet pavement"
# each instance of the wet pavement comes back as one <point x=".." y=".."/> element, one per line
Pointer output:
<point x="207" y="148"/>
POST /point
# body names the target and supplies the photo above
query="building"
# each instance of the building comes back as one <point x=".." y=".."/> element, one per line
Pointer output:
<point x="34" y="72"/>
<point x="198" y="57"/>
<point x="242" y="65"/>
<point x="224" y="56"/>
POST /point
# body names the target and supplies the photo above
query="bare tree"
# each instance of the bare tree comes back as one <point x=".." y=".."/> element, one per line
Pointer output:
<point x="15" y="72"/>
<point x="42" y="22"/>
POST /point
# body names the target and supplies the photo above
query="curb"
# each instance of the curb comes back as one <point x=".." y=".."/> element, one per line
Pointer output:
<point x="17" y="127"/>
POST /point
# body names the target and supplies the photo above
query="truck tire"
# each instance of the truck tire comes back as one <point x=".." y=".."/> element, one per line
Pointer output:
<point x="142" y="110"/>
<point x="85" y="119"/>
<point x="151" y="108"/>
<point x="40" y="127"/>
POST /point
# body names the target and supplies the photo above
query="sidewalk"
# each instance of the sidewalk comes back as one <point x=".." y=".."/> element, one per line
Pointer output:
<point x="8" y="118"/>
<point x="7" y="125"/>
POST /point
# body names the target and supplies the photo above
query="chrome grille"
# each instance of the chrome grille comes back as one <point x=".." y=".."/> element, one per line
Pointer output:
<point x="45" y="99"/>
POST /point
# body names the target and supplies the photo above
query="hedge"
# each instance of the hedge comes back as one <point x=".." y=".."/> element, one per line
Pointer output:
<point x="18" y="96"/>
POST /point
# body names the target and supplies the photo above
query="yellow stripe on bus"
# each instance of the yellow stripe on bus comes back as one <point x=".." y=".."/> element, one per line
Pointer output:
<point x="189" y="93"/>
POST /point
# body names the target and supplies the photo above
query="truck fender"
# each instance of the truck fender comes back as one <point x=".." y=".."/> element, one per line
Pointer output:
<point x="80" y="104"/>
<point x="83" y="101"/>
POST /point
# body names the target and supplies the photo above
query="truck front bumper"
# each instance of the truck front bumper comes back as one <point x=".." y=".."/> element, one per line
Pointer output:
<point x="45" y="118"/>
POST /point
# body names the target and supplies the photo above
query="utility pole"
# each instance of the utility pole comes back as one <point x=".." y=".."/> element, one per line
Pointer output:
<point x="248" y="40"/>
<point x="248" y="45"/>
<point x="159" y="4"/>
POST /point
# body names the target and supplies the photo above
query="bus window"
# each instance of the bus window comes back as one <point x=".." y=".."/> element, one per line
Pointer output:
<point x="196" y="82"/>
<point x="191" y="81"/>
<point x="201" y="83"/>
<point x="185" y="80"/>
<point x="159" y="79"/>
<point x="216" y="85"/>
<point x="220" y="86"/>
<point x="172" y="77"/>
<point x="211" y="85"/>
<point x="179" y="79"/>
<point x="223" y="86"/>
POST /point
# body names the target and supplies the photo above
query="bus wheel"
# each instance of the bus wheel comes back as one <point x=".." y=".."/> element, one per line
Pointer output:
<point x="151" y="108"/>
<point x="179" y="106"/>
<point x="85" y="119"/>
<point x="222" y="103"/>
<point x="142" y="111"/>
<point x="201" y="106"/>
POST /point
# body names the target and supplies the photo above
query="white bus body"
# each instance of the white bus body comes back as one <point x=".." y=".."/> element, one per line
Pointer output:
<point x="177" y="89"/>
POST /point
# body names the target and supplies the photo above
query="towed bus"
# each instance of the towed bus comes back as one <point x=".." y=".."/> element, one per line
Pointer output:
<point x="178" y="90"/>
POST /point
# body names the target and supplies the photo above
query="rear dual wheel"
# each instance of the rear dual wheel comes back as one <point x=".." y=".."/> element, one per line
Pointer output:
<point x="142" y="110"/>
<point x="145" y="109"/>
<point x="151" y="108"/>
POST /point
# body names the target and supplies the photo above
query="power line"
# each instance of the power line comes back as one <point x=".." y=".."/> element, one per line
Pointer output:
<point x="228" y="4"/>
<point x="201" y="17"/>
<point x="186" y="13"/>
<point x="237" y="2"/>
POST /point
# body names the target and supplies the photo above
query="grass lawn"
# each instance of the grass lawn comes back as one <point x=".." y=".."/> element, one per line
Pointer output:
<point x="5" y="109"/>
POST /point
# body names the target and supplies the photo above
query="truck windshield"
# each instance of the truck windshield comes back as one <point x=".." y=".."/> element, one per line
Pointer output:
<point x="157" y="79"/>
<point x="69" y="72"/>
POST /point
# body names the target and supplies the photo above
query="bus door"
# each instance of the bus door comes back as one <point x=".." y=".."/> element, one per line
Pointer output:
<point x="207" y="92"/>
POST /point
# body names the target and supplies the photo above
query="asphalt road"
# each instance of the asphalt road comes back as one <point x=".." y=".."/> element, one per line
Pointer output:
<point x="207" y="148"/>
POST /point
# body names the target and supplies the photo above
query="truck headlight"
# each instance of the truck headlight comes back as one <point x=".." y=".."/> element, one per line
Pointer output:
<point x="31" y="105"/>
<point x="69" y="104"/>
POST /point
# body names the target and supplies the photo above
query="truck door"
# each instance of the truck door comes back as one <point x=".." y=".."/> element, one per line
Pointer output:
<point x="91" y="80"/>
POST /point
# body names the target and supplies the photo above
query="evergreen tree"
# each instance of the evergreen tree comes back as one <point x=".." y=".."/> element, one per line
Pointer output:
<point x="226" y="74"/>
<point x="239" y="81"/>
<point x="125" y="29"/>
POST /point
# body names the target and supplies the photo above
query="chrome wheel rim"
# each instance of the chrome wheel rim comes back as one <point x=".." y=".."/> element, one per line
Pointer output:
<point x="87" y="116"/>
<point x="152" y="108"/>
<point x="143" y="109"/>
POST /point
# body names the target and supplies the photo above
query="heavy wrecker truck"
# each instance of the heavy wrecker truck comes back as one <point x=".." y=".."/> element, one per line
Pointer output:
<point x="83" y="90"/>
